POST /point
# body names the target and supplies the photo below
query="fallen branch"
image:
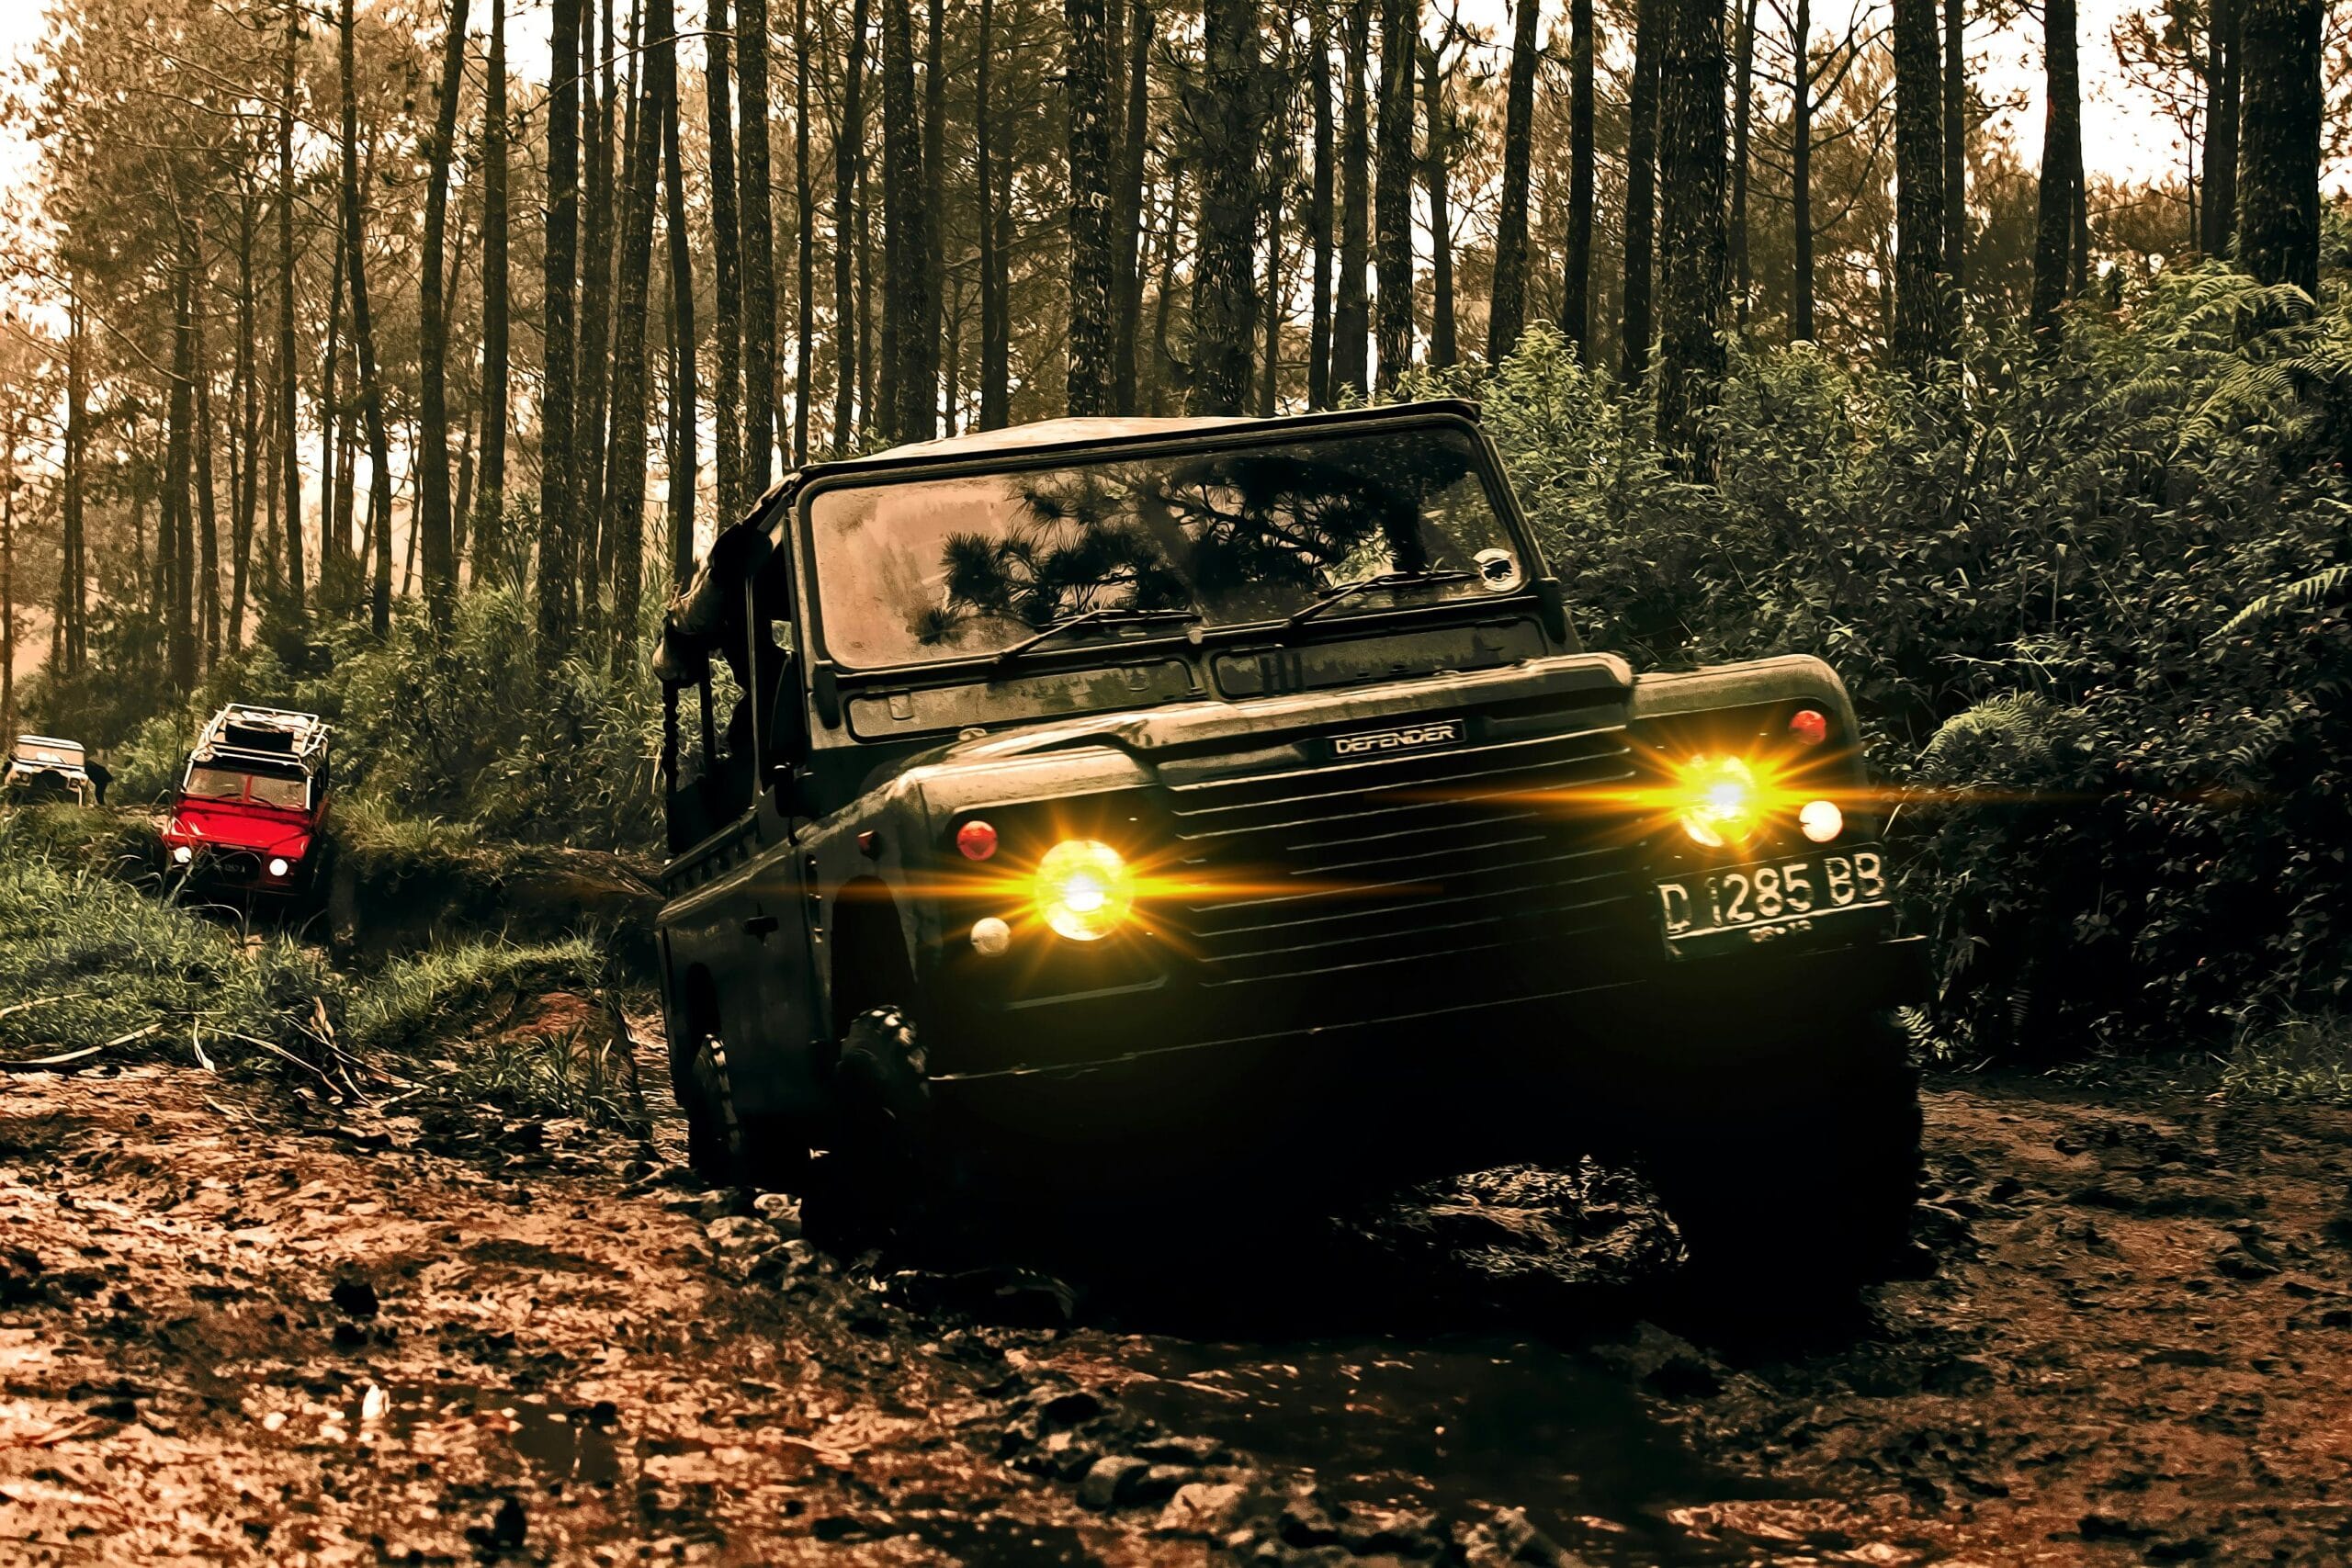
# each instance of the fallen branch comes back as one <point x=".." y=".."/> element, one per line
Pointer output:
<point x="44" y="1063"/>
<point x="42" y="1002"/>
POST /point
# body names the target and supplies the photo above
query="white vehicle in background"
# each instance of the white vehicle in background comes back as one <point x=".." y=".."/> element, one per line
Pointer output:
<point x="42" y="770"/>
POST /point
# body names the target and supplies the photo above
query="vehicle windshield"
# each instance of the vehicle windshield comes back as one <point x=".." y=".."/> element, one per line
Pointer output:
<point x="913" y="571"/>
<point x="48" y="753"/>
<point x="205" y="783"/>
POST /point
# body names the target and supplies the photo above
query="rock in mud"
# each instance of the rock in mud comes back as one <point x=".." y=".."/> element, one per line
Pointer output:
<point x="1508" y="1539"/>
<point x="1500" y="1236"/>
<point x="1214" y="1508"/>
<point x="1114" y="1481"/>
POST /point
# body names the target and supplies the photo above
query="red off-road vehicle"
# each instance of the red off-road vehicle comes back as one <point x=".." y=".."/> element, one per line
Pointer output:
<point x="250" y="814"/>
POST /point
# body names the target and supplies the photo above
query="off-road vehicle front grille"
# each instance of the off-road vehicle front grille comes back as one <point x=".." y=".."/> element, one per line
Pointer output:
<point x="1472" y="863"/>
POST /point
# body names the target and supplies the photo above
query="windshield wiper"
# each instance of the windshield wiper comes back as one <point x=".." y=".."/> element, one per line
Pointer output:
<point x="1126" y="614"/>
<point x="1347" y="591"/>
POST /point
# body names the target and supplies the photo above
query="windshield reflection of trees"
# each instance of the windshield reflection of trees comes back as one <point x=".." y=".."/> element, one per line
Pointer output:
<point x="1235" y="535"/>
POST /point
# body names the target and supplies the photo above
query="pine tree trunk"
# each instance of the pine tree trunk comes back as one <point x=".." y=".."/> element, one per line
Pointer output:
<point x="73" y="577"/>
<point x="1400" y="35"/>
<point x="174" y="568"/>
<point x="1086" y="74"/>
<point x="1320" y="216"/>
<point x="1161" y="363"/>
<point x="437" y="543"/>
<point x="1351" y="319"/>
<point x="1641" y="185"/>
<point x="1437" y="175"/>
<point x="901" y="240"/>
<point x="1126" y="225"/>
<point x="1695" y="274"/>
<point x="2062" y="141"/>
<point x="1921" y="331"/>
<point x="207" y="528"/>
<point x="684" y="392"/>
<point x="244" y="488"/>
<point x="606" y="108"/>
<point x="489" y="490"/>
<point x="1743" y="98"/>
<point x="1271" y="190"/>
<point x="1576" y="282"/>
<point x="1224" y="279"/>
<point x="752" y="175"/>
<point x="1506" y="310"/>
<point x="849" y="157"/>
<point x="1801" y="175"/>
<point x="805" y="224"/>
<point x="993" y="355"/>
<point x="1955" y="142"/>
<point x="2224" y="86"/>
<point x="870" y="401"/>
<point x="625" y="499"/>
<point x="2279" y="141"/>
<point x="557" y="563"/>
<point x="339" y="567"/>
<point x="727" y="285"/>
<point x="289" y="445"/>
<point x="931" y="214"/>
<point x="363" y="334"/>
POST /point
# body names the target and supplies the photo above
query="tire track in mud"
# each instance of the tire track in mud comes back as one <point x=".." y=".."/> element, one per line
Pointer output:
<point x="230" y="1332"/>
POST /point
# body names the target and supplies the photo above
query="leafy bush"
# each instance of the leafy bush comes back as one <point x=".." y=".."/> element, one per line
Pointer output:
<point x="473" y="732"/>
<point x="439" y="995"/>
<point x="87" y="959"/>
<point x="2091" y="606"/>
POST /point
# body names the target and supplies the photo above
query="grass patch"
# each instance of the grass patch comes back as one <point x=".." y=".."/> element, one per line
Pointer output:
<point x="2303" y="1056"/>
<point x="87" y="959"/>
<point x="443" y="992"/>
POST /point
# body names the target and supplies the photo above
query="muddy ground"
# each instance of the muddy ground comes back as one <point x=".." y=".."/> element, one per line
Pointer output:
<point x="235" y="1326"/>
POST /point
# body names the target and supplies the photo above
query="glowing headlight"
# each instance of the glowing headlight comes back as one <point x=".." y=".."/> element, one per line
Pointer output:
<point x="1084" y="889"/>
<point x="182" y="854"/>
<point x="1722" y="800"/>
<point x="1821" y="821"/>
<point x="279" y="866"/>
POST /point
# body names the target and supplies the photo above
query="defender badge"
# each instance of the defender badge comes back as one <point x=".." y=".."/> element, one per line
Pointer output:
<point x="1409" y="738"/>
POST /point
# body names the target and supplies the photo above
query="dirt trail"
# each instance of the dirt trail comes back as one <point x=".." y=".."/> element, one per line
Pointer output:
<point x="225" y="1336"/>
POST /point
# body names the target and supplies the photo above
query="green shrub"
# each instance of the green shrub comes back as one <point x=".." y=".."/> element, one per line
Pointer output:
<point x="87" y="959"/>
<point x="437" y="996"/>
<point x="2091" y="606"/>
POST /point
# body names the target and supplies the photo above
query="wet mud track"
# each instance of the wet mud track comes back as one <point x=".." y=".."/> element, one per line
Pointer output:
<point x="228" y="1334"/>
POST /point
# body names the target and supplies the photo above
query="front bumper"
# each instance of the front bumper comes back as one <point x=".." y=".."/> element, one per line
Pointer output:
<point x="223" y="869"/>
<point x="1461" y="1082"/>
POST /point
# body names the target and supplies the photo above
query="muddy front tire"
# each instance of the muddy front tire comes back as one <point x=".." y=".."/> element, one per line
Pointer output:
<point x="726" y="1147"/>
<point x="872" y="1181"/>
<point x="714" y="1135"/>
<point x="1802" y="1179"/>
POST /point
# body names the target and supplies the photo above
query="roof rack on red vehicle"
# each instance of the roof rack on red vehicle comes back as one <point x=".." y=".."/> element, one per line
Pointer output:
<point x="246" y="733"/>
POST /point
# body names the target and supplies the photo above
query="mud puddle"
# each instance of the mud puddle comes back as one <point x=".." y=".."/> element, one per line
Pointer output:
<point x="1462" y="1426"/>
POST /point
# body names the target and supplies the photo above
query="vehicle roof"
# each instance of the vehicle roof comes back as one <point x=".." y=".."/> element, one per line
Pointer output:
<point x="48" y="741"/>
<point x="1056" y="435"/>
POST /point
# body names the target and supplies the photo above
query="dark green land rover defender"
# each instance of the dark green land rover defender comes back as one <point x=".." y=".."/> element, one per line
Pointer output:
<point x="1107" y="803"/>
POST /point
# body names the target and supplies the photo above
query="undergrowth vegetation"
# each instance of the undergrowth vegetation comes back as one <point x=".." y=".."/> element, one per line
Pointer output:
<point x="475" y="732"/>
<point x="2089" y="598"/>
<point x="90" y="958"/>
<point x="2091" y="606"/>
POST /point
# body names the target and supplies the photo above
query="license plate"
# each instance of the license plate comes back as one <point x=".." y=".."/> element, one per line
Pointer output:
<point x="1770" y="897"/>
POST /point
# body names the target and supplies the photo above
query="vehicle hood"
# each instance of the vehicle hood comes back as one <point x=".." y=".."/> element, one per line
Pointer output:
<point x="236" y="826"/>
<point x="1567" y="681"/>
